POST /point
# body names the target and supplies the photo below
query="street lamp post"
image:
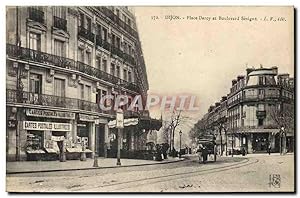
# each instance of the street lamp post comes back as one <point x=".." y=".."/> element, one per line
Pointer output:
<point x="180" y="134"/>
<point x="282" y="141"/>
<point x="119" y="126"/>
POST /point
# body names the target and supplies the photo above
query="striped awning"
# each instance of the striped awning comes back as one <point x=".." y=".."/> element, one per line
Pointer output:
<point x="127" y="122"/>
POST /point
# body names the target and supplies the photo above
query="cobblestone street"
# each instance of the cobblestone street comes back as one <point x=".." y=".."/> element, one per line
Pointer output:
<point x="238" y="174"/>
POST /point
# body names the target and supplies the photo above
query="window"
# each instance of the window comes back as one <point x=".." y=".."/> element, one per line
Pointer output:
<point x="98" y="63"/>
<point x="112" y="69"/>
<point x="59" y="48"/>
<point x="81" y="19"/>
<point x="59" y="11"/>
<point x="113" y="39"/>
<point x="118" y="12"/>
<point x="82" y="92"/>
<point x="89" y="24"/>
<point x="118" y="71"/>
<point x="88" y="93"/>
<point x="261" y="80"/>
<point x="59" y="87"/>
<point x="261" y="92"/>
<point x="125" y="74"/>
<point x="89" y="58"/>
<point x="260" y="122"/>
<point x="35" y="41"/>
<point x="104" y="35"/>
<point x="129" y="76"/>
<point x="261" y="107"/>
<point x="104" y="65"/>
<point x="35" y="83"/>
<point x="80" y="55"/>
<point x="118" y="42"/>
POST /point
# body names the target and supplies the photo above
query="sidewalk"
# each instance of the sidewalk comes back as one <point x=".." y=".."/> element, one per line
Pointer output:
<point x="51" y="166"/>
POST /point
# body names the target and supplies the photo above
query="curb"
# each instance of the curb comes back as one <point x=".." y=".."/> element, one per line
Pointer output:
<point x="76" y="169"/>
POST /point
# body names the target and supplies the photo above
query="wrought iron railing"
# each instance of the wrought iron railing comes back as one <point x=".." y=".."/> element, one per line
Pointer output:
<point x="15" y="96"/>
<point x="36" y="15"/>
<point x="111" y="15"/>
<point x="85" y="33"/>
<point x="45" y="58"/>
<point x="60" y="23"/>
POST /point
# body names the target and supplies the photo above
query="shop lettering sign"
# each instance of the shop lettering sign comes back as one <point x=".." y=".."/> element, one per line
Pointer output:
<point x="87" y="118"/>
<point x="49" y="114"/>
<point x="51" y="126"/>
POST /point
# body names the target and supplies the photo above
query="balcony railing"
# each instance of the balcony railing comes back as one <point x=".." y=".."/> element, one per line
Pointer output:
<point x="36" y="15"/>
<point x="14" y="96"/>
<point x="85" y="33"/>
<point x="110" y="14"/>
<point x="114" y="50"/>
<point x="102" y="43"/>
<point x="60" y="23"/>
<point x="45" y="58"/>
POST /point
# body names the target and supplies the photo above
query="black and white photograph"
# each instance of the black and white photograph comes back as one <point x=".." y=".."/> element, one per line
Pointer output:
<point x="140" y="99"/>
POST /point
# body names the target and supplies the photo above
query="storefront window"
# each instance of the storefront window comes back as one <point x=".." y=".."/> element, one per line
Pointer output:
<point x="34" y="140"/>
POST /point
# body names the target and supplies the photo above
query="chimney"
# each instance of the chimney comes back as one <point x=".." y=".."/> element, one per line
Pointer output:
<point x="233" y="82"/>
<point x="223" y="98"/>
<point x="249" y="70"/>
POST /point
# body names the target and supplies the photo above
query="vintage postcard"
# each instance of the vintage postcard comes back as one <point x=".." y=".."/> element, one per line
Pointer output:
<point x="150" y="99"/>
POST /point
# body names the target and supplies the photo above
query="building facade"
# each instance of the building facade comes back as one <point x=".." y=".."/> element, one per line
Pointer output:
<point x="61" y="61"/>
<point x="256" y="115"/>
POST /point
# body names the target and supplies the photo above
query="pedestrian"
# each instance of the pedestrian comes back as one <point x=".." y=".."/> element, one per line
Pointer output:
<point x="269" y="149"/>
<point x="200" y="153"/>
<point x="204" y="154"/>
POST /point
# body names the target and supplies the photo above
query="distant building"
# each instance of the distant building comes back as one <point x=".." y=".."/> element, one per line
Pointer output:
<point x="258" y="112"/>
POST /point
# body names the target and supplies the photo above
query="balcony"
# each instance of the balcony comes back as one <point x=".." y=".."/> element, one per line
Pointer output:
<point x="102" y="43"/>
<point x="110" y="14"/>
<point x="36" y="15"/>
<point x="85" y="33"/>
<point x="26" y="54"/>
<point x="260" y="97"/>
<point x="60" y="23"/>
<point x="114" y="50"/>
<point x="14" y="96"/>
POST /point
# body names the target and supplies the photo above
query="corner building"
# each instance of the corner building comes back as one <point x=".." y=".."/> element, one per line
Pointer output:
<point x="251" y="117"/>
<point x="60" y="62"/>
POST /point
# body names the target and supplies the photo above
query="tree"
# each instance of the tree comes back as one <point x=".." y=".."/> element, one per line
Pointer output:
<point x="283" y="116"/>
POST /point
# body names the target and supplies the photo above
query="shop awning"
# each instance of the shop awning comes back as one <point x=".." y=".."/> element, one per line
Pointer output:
<point x="35" y="151"/>
<point x="127" y="122"/>
<point x="50" y="150"/>
<point x="144" y="123"/>
<point x="74" y="150"/>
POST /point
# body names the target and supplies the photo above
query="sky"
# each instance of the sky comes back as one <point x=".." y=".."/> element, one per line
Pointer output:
<point x="201" y="57"/>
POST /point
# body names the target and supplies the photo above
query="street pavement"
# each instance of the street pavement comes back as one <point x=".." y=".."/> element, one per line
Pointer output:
<point x="72" y="165"/>
<point x="252" y="173"/>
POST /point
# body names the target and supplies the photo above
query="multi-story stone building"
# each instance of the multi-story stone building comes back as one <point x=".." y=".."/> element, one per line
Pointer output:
<point x="60" y="62"/>
<point x="257" y="113"/>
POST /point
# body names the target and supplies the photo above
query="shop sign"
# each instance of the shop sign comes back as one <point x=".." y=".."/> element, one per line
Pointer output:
<point x="57" y="138"/>
<point x="87" y="118"/>
<point x="50" y="114"/>
<point x="120" y="119"/>
<point x="50" y="126"/>
<point x="11" y="123"/>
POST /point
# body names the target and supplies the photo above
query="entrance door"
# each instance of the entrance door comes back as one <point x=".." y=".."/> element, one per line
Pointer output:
<point x="100" y="140"/>
<point x="260" y="142"/>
